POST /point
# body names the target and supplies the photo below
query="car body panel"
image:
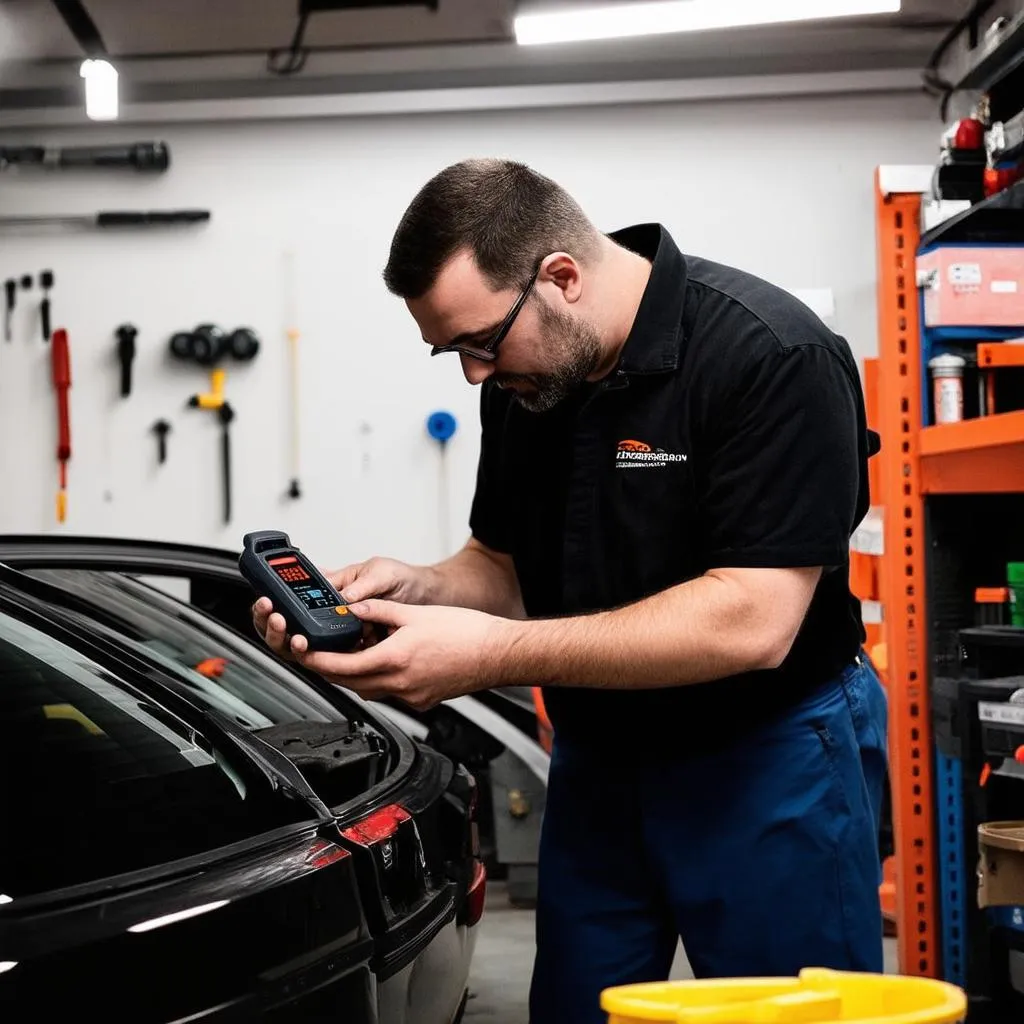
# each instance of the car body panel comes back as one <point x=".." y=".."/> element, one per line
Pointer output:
<point x="406" y="942"/>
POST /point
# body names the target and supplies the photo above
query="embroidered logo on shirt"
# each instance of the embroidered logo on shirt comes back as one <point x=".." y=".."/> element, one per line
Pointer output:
<point x="640" y="455"/>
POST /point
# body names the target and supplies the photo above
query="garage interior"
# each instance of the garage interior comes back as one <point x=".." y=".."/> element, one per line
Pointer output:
<point x="197" y="200"/>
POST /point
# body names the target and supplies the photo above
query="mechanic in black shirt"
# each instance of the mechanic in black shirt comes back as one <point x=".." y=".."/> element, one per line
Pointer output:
<point x="674" y="456"/>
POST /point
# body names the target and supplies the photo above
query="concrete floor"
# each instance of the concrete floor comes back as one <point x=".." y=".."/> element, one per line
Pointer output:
<point x="500" y="979"/>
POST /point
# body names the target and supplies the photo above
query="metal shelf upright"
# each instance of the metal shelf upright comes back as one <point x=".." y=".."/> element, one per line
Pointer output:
<point x="901" y="578"/>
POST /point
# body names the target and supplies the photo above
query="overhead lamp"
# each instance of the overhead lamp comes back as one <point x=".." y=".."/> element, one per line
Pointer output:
<point x="621" y="20"/>
<point x="100" y="89"/>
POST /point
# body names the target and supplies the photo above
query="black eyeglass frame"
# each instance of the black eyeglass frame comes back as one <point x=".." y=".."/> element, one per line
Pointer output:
<point x="488" y="351"/>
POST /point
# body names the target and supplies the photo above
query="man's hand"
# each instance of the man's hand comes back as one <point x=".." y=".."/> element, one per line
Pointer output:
<point x="432" y="653"/>
<point x="385" y="578"/>
<point x="377" y="577"/>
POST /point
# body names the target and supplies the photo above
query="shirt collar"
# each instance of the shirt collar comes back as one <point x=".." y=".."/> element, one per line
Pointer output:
<point x="655" y="339"/>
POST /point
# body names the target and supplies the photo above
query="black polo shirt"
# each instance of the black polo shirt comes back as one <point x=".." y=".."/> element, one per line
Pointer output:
<point x="731" y="434"/>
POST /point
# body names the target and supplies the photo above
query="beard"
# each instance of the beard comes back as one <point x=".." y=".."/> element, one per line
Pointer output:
<point x="574" y="350"/>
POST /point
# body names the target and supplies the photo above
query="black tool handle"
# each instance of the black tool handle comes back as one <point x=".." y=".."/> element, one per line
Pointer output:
<point x="126" y="354"/>
<point x="226" y="414"/>
<point x="143" y="218"/>
<point x="44" y="310"/>
<point x="10" y="290"/>
<point x="161" y="428"/>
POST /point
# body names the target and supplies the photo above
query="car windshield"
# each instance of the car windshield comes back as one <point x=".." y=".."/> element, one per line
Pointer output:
<point x="224" y="673"/>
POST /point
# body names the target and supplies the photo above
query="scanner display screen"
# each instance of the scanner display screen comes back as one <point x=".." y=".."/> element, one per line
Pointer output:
<point x="291" y="572"/>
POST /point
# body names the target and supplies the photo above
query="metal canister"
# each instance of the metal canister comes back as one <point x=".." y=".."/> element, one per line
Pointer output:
<point x="948" y="387"/>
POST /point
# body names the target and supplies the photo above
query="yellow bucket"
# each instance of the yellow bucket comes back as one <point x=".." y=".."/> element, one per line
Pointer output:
<point x="818" y="996"/>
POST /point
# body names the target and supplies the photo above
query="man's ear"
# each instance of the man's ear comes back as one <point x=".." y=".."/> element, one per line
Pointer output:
<point x="561" y="270"/>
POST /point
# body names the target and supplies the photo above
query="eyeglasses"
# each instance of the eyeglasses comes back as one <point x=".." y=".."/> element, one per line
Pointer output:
<point x="488" y="351"/>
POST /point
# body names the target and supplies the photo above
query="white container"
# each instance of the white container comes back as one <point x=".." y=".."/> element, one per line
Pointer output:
<point x="948" y="387"/>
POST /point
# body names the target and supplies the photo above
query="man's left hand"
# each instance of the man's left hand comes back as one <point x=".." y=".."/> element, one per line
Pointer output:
<point x="431" y="653"/>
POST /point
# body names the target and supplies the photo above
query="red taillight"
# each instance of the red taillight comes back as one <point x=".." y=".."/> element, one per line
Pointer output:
<point x="374" y="828"/>
<point x="322" y="854"/>
<point x="477" y="895"/>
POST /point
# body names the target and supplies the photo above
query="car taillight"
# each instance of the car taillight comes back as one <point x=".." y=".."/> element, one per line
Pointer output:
<point x="378" y="826"/>
<point x="477" y="895"/>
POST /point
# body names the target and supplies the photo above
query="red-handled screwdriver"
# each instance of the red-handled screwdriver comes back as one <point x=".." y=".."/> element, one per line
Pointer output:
<point x="61" y="364"/>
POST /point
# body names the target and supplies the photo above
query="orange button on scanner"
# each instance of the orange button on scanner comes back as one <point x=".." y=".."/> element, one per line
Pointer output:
<point x="341" y="609"/>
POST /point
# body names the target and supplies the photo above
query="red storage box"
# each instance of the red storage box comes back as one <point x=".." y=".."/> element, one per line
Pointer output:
<point x="973" y="286"/>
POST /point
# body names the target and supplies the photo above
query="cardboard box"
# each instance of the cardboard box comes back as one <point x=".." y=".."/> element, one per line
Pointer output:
<point x="1001" y="864"/>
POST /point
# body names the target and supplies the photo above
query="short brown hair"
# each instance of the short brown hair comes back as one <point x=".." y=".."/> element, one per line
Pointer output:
<point x="509" y="216"/>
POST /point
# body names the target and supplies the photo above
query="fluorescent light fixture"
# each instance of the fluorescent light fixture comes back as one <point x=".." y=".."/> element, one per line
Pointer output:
<point x="100" y="89"/>
<point x="4" y="898"/>
<point x="7" y="965"/>
<point x="178" y="915"/>
<point x="645" y="19"/>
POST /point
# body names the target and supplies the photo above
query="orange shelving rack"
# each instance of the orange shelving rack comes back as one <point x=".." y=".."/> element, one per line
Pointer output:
<point x="980" y="456"/>
<point x="901" y="584"/>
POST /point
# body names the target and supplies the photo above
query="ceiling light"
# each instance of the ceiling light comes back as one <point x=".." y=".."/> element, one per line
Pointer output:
<point x="643" y="19"/>
<point x="100" y="89"/>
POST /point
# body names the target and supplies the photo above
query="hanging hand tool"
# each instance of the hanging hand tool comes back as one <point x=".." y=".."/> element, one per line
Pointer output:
<point x="161" y="428"/>
<point x="292" y="334"/>
<point x="143" y="156"/>
<point x="206" y="345"/>
<point x="126" y="334"/>
<point x="60" y="360"/>
<point x="111" y="219"/>
<point x="214" y="399"/>
<point x="10" y="290"/>
<point x="26" y="282"/>
<point x="46" y="283"/>
<point x="226" y="414"/>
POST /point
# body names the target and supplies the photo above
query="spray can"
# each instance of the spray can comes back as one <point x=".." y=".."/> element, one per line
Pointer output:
<point x="948" y="387"/>
<point x="1015" y="578"/>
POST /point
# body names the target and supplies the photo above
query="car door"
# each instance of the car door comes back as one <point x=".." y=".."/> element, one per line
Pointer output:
<point x="151" y="870"/>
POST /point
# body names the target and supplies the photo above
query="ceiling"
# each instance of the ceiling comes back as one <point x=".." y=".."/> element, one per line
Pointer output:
<point x="169" y="50"/>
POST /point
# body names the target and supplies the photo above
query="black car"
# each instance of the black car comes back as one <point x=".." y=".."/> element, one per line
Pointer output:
<point x="194" y="830"/>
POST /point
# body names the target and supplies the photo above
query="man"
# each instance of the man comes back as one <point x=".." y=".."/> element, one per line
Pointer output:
<point x="673" y="460"/>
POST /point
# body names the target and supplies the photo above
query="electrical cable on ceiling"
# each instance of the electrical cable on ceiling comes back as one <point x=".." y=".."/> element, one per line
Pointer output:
<point x="934" y="83"/>
<point x="296" y="54"/>
<point x="82" y="27"/>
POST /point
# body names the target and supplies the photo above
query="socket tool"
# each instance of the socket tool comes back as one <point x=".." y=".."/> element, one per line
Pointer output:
<point x="142" y="156"/>
<point x="161" y="428"/>
<point x="311" y="607"/>
<point x="126" y="335"/>
<point x="46" y="283"/>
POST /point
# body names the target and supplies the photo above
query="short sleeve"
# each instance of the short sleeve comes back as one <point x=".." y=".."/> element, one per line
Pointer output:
<point x="782" y="474"/>
<point x="489" y="513"/>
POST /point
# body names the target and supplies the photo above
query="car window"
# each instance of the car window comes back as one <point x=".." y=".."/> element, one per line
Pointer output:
<point x="340" y="749"/>
<point x="224" y="673"/>
<point x="96" y="779"/>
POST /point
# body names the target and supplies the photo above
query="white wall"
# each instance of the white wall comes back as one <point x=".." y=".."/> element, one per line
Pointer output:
<point x="782" y="188"/>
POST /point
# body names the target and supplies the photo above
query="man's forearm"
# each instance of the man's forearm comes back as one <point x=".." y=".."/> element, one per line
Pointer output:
<point x="706" y="629"/>
<point x="476" y="578"/>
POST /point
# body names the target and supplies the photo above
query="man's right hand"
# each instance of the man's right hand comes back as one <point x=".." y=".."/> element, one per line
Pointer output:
<point x="377" y="577"/>
<point x="385" y="578"/>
